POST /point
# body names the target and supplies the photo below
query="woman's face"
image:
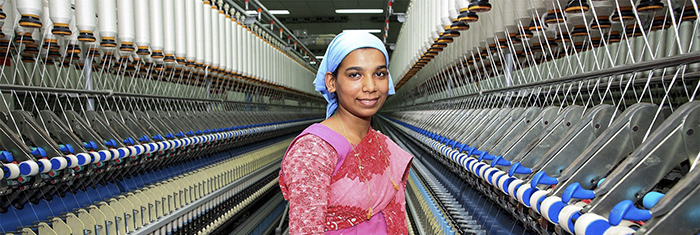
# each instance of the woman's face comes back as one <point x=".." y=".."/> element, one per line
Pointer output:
<point x="362" y="82"/>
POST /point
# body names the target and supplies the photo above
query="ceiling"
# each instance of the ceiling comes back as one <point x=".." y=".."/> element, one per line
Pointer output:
<point x="318" y="18"/>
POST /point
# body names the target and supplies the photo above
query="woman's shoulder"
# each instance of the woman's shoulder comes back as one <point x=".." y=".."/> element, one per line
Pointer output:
<point x="311" y="148"/>
<point x="310" y="140"/>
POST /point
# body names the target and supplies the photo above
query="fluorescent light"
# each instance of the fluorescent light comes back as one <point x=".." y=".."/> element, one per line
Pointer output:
<point x="364" y="30"/>
<point x="320" y="57"/>
<point x="279" y="12"/>
<point x="359" y="11"/>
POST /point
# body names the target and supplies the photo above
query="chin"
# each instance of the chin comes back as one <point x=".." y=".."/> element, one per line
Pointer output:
<point x="367" y="113"/>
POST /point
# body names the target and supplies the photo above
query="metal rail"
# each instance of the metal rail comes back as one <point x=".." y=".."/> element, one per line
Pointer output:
<point x="688" y="58"/>
<point x="20" y="89"/>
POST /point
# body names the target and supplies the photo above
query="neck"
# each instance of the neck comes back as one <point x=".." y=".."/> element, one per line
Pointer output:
<point x="356" y="127"/>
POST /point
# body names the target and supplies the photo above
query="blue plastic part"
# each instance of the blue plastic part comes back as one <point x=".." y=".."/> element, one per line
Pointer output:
<point x="144" y="139"/>
<point x="198" y="132"/>
<point x="66" y="148"/>
<point x="499" y="160"/>
<point x="129" y="141"/>
<point x="158" y="137"/>
<point x="518" y="168"/>
<point x="626" y="210"/>
<point x="486" y="156"/>
<point x="527" y="195"/>
<point x="189" y="133"/>
<point x="506" y="183"/>
<point x="170" y="135"/>
<point x="82" y="159"/>
<point x="206" y="131"/>
<point x="597" y="227"/>
<point x="153" y="146"/>
<point x="489" y="177"/>
<point x="477" y="169"/>
<point x="7" y="174"/>
<point x="576" y="191"/>
<point x="55" y="164"/>
<point x="103" y="156"/>
<point x="122" y="152"/>
<point x="6" y="156"/>
<point x="87" y="146"/>
<point x="570" y="222"/>
<point x="466" y="162"/>
<point x="93" y="145"/>
<point x="166" y="145"/>
<point x="600" y="182"/>
<point x="553" y="211"/>
<point x="477" y="152"/>
<point x="542" y="178"/>
<point x="650" y="199"/>
<point x="24" y="168"/>
<point x="38" y="152"/>
<point x="180" y="134"/>
<point x="111" y="143"/>
<point x="538" y="204"/>
<point x="465" y="148"/>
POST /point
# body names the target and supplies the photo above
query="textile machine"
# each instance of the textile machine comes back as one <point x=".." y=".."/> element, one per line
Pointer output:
<point x="549" y="116"/>
<point x="145" y="116"/>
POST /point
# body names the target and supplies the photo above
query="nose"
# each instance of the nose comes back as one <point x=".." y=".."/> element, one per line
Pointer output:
<point x="368" y="84"/>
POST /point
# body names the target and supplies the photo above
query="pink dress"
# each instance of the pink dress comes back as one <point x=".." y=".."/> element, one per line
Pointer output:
<point x="323" y="202"/>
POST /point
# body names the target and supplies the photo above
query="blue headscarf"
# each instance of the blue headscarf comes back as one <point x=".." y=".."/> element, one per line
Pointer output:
<point x="340" y="47"/>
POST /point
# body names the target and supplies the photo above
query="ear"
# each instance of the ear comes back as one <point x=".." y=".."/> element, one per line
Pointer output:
<point x="330" y="82"/>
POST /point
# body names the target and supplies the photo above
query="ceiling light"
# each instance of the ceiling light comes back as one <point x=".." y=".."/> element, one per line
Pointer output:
<point x="279" y="12"/>
<point x="364" y="30"/>
<point x="359" y="11"/>
<point x="320" y="57"/>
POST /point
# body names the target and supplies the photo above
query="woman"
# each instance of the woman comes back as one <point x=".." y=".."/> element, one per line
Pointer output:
<point x="340" y="176"/>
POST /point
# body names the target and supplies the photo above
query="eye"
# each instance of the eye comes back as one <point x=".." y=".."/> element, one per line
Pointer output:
<point x="354" y="75"/>
<point x="381" y="74"/>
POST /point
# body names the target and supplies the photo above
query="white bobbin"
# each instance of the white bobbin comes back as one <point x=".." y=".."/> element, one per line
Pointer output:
<point x="59" y="163"/>
<point x="45" y="165"/>
<point x="11" y="171"/>
<point x="72" y="160"/>
<point x="29" y="168"/>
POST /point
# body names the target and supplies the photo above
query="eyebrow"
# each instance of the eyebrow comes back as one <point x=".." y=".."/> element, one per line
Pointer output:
<point x="362" y="69"/>
<point x="355" y="68"/>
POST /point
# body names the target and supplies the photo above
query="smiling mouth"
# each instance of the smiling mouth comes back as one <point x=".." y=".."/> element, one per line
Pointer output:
<point x="369" y="102"/>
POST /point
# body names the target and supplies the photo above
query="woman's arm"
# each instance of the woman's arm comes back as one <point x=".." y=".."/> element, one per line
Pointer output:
<point x="307" y="173"/>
